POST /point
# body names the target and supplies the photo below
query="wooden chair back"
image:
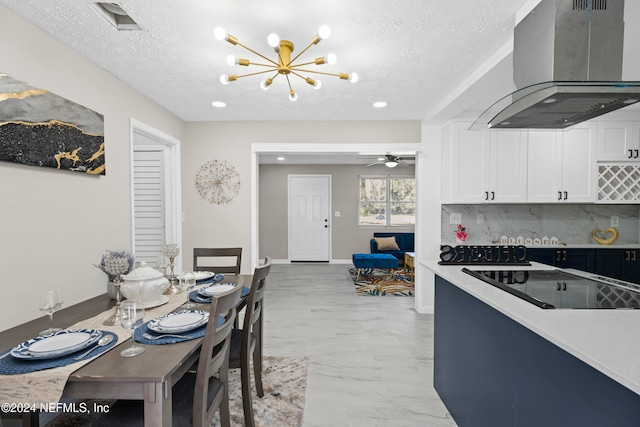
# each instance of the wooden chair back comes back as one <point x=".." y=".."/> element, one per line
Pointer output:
<point x="214" y="359"/>
<point x="250" y="341"/>
<point x="233" y="257"/>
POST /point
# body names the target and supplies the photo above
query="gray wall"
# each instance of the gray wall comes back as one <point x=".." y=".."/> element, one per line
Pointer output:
<point x="346" y="236"/>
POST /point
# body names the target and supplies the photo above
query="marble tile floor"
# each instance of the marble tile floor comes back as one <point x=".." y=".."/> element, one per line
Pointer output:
<point x="370" y="358"/>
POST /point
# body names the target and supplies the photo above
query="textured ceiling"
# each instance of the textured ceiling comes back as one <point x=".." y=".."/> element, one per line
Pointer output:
<point x="413" y="54"/>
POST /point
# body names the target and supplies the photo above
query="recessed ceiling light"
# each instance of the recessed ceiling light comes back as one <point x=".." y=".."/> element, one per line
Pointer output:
<point x="280" y="159"/>
<point x="380" y="104"/>
<point x="218" y="104"/>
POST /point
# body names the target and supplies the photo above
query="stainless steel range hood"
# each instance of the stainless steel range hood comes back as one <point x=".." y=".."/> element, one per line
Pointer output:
<point x="567" y="62"/>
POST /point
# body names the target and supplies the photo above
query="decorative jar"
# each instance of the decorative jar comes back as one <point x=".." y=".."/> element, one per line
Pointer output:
<point x="146" y="284"/>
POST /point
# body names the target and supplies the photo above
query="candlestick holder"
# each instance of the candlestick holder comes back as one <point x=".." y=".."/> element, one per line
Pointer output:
<point x="116" y="266"/>
<point x="171" y="251"/>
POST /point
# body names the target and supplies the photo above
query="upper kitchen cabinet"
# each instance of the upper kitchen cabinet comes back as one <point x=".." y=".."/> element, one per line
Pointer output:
<point x="619" y="141"/>
<point x="562" y="165"/>
<point x="485" y="166"/>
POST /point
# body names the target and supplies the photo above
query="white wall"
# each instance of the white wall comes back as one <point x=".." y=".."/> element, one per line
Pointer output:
<point x="56" y="224"/>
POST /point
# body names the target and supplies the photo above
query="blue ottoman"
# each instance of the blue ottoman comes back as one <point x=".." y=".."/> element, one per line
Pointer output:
<point x="371" y="261"/>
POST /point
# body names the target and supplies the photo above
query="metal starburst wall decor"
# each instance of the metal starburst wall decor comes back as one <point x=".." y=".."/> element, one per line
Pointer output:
<point x="217" y="182"/>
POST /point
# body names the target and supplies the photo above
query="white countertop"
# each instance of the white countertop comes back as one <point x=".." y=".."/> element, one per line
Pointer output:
<point x="607" y="339"/>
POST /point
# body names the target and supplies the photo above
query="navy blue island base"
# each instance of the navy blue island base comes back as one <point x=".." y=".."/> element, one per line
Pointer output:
<point x="490" y="370"/>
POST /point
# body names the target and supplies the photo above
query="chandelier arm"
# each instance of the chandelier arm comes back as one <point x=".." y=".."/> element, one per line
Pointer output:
<point x="301" y="52"/>
<point x="288" y="82"/>
<point x="305" y="63"/>
<point x="263" y="65"/>
<point x="256" y="53"/>
<point x="254" y="74"/>
<point x="316" y="72"/>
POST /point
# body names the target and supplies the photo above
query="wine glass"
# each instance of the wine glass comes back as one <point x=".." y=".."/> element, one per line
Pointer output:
<point x="50" y="302"/>
<point x="131" y="316"/>
<point x="187" y="283"/>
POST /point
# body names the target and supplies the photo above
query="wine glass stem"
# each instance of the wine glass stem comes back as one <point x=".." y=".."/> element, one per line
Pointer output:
<point x="50" y="320"/>
<point x="133" y="343"/>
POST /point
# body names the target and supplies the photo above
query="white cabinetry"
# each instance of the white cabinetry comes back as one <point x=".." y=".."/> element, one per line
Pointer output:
<point x="619" y="141"/>
<point x="562" y="165"/>
<point x="486" y="166"/>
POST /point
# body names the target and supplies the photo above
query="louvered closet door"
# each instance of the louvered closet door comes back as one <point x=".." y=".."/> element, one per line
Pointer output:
<point x="148" y="187"/>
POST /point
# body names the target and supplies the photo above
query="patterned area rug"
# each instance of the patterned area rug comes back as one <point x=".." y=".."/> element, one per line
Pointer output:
<point x="378" y="282"/>
<point x="284" y="380"/>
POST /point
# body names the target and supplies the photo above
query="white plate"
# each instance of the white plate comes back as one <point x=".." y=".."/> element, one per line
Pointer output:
<point x="156" y="302"/>
<point x="216" y="289"/>
<point x="181" y="321"/>
<point x="56" y="345"/>
<point x="203" y="275"/>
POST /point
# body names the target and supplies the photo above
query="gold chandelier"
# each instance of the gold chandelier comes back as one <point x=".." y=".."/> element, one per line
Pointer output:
<point x="284" y="65"/>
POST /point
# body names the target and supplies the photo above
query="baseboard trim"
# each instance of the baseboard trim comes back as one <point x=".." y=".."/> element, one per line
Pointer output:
<point x="332" y="261"/>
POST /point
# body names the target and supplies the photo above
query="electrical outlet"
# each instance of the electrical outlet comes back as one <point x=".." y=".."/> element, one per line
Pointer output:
<point x="480" y="218"/>
<point x="455" y="218"/>
<point x="615" y="221"/>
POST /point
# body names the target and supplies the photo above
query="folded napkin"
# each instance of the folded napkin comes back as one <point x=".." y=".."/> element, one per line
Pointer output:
<point x="11" y="365"/>
<point x="196" y="297"/>
<point x="172" y="338"/>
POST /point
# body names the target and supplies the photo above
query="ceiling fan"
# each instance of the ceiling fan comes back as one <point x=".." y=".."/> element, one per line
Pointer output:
<point x="391" y="161"/>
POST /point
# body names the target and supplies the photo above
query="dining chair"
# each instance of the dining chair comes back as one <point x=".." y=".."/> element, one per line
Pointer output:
<point x="202" y="260"/>
<point x="246" y="343"/>
<point x="196" y="397"/>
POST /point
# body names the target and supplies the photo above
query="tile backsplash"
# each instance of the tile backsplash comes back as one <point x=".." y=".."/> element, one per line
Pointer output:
<point x="571" y="224"/>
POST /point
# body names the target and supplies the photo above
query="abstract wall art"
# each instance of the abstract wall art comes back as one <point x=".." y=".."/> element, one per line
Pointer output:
<point x="40" y="128"/>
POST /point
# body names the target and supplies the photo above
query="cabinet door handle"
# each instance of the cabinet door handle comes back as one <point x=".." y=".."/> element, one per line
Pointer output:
<point x="486" y="195"/>
<point x="630" y="154"/>
<point x="493" y="195"/>
<point x="627" y="256"/>
<point x="566" y="195"/>
<point x="636" y="156"/>
<point x="558" y="286"/>
<point x="565" y="256"/>
<point x="559" y="195"/>
<point x="557" y="255"/>
<point x="633" y="253"/>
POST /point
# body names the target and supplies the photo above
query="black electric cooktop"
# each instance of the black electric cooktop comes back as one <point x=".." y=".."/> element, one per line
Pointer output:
<point x="560" y="289"/>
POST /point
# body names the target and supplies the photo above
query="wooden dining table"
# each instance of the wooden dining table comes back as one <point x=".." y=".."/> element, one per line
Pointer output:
<point x="149" y="376"/>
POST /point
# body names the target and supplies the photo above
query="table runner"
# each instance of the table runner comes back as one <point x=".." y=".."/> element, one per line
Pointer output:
<point x="43" y="387"/>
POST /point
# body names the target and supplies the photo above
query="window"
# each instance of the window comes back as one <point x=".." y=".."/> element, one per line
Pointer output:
<point x="387" y="200"/>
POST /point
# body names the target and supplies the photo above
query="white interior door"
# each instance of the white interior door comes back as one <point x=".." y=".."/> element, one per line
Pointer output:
<point x="309" y="217"/>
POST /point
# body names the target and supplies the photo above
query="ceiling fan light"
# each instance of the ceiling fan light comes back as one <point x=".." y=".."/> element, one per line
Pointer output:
<point x="391" y="163"/>
<point x="273" y="40"/>
<point x="293" y="96"/>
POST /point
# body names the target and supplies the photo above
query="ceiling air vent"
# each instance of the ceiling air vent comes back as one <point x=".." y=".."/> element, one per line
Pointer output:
<point x="584" y="4"/>
<point x="117" y="16"/>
